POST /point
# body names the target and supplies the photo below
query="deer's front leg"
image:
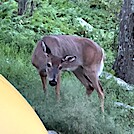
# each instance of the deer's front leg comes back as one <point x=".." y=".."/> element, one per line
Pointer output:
<point x="57" y="88"/>
<point x="44" y="82"/>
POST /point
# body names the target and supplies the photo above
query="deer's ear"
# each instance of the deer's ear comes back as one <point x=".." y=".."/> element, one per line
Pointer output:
<point x="45" y="48"/>
<point x="69" y="58"/>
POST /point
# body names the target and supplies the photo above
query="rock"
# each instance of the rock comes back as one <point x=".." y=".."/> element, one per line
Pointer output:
<point x="52" y="132"/>
<point x="123" y="105"/>
<point x="119" y="81"/>
<point x="84" y="24"/>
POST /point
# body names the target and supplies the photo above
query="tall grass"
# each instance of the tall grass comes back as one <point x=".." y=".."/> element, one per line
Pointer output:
<point x="75" y="113"/>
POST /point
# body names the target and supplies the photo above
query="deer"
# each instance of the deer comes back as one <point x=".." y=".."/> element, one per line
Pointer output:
<point x="82" y="56"/>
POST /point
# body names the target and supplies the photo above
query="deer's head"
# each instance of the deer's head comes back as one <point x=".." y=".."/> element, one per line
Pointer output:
<point x="55" y="64"/>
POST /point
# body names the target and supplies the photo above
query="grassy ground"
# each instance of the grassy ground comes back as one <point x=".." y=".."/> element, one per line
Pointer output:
<point x="76" y="113"/>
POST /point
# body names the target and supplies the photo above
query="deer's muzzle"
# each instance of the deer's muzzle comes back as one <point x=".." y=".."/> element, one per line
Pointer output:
<point x="53" y="83"/>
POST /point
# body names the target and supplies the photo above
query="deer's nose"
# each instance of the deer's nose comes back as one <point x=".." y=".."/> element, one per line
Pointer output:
<point x="53" y="83"/>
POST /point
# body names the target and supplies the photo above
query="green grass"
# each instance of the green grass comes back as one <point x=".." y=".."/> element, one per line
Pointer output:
<point x="76" y="113"/>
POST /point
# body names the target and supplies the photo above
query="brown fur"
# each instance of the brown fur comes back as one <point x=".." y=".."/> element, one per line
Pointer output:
<point x="83" y="58"/>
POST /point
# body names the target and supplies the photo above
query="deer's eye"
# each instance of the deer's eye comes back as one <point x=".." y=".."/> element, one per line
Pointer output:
<point x="60" y="67"/>
<point x="49" y="64"/>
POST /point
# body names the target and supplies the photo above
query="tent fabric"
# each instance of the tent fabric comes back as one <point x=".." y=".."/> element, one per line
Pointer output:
<point x="16" y="115"/>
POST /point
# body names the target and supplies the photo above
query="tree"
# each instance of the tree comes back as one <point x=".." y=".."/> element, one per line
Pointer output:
<point x="22" y="6"/>
<point x="124" y="64"/>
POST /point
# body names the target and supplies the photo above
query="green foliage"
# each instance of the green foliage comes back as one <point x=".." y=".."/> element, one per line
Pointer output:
<point x="59" y="17"/>
<point x="75" y="113"/>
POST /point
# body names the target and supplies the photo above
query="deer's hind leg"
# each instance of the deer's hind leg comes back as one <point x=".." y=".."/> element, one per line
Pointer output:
<point x="94" y="79"/>
<point x="80" y="75"/>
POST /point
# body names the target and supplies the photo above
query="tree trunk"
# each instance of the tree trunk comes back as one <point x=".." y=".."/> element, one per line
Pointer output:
<point x="21" y="6"/>
<point x="124" y="64"/>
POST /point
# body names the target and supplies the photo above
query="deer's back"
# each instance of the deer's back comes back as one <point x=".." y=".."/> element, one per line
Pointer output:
<point x="84" y="49"/>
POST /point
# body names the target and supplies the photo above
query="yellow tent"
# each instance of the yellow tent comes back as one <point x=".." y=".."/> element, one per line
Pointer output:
<point x="16" y="115"/>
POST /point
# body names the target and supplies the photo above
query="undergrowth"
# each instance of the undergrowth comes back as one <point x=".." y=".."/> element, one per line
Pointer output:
<point x="75" y="113"/>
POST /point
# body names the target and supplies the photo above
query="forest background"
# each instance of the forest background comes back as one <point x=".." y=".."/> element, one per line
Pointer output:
<point x="76" y="113"/>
